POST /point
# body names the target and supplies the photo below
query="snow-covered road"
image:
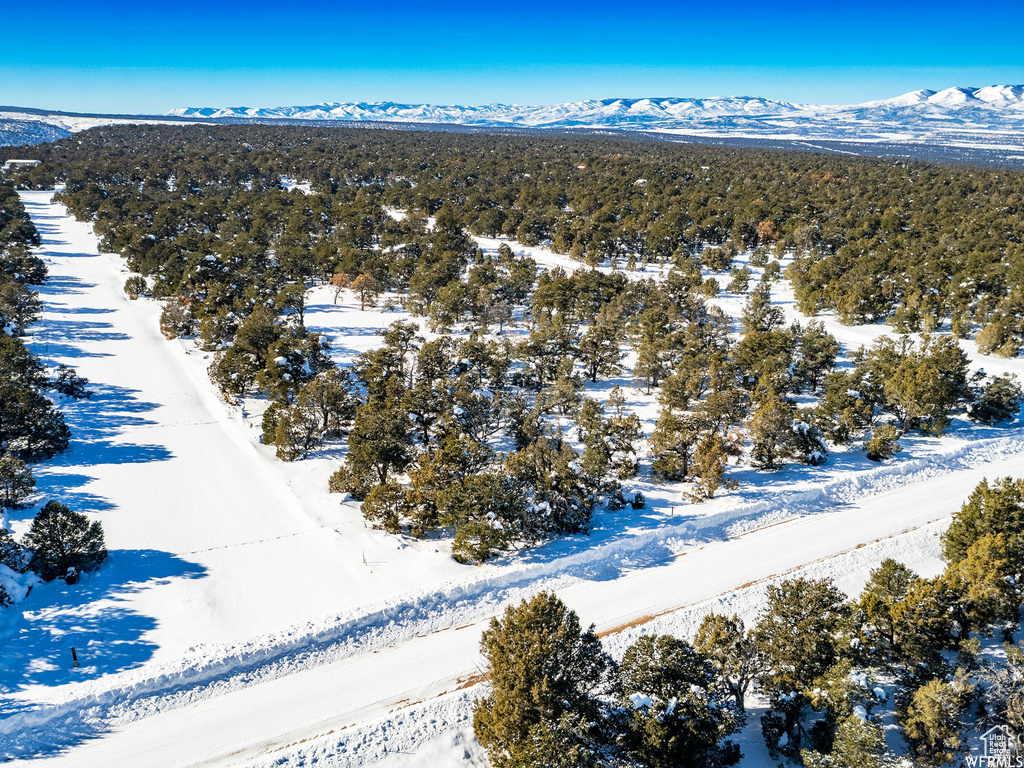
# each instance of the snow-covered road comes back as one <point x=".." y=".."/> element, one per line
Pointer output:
<point x="265" y="720"/>
<point x="206" y="533"/>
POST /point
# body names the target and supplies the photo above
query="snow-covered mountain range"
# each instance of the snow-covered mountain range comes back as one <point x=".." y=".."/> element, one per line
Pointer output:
<point x="956" y="124"/>
<point x="995" y="108"/>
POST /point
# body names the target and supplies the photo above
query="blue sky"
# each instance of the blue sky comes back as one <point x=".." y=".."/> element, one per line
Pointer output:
<point x="103" y="56"/>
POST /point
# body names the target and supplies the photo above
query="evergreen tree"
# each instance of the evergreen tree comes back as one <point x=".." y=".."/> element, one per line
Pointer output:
<point x="771" y="433"/>
<point x="709" y="460"/>
<point x="985" y="583"/>
<point x="799" y="629"/>
<point x="378" y="442"/>
<point x="990" y="509"/>
<point x="882" y="444"/>
<point x="817" y="355"/>
<point x="998" y="401"/>
<point x="677" y="714"/>
<point x="543" y="667"/>
<point x="19" y="307"/>
<point x="759" y="314"/>
<point x="63" y="542"/>
<point x="599" y="346"/>
<point x="672" y="443"/>
<point x="486" y="511"/>
<point x="16" y="482"/>
<point x="736" y="654"/>
<point x="932" y="721"/>
<point x="923" y="623"/>
<point x="386" y="505"/>
<point x="888" y="584"/>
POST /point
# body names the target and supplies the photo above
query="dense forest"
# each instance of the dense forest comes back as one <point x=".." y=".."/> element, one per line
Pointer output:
<point x="491" y="435"/>
<point x="923" y="245"/>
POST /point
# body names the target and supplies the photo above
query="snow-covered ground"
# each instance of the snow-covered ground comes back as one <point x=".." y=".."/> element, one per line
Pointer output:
<point x="246" y="617"/>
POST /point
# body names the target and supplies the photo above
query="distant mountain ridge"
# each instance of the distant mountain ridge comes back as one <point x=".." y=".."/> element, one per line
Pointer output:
<point x="955" y="124"/>
<point x="992" y="107"/>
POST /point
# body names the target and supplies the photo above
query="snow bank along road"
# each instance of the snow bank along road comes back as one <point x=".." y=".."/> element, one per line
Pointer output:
<point x="248" y="724"/>
<point x="212" y="544"/>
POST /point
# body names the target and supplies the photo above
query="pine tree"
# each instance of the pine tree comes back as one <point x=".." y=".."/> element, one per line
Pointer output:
<point x="671" y="443"/>
<point x="736" y="654"/>
<point x="817" y="355"/>
<point x="887" y="585"/>
<point x="709" y="460"/>
<point x="998" y="401"/>
<point x="883" y="443"/>
<point x="386" y="505"/>
<point x="543" y="667"/>
<point x="678" y="714"/>
<point x="923" y="623"/>
<point x="19" y="306"/>
<point x="61" y="540"/>
<point x="379" y="442"/>
<point x="599" y="346"/>
<point x="758" y="313"/>
<point x="486" y="511"/>
<point x="985" y="585"/>
<point x="799" y="629"/>
<point x="990" y="509"/>
<point x="16" y="482"/>
<point x="932" y="721"/>
<point x="771" y="433"/>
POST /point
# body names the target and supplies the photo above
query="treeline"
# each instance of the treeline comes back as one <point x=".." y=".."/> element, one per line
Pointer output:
<point x="922" y="245"/>
<point x="31" y="428"/>
<point x="556" y="698"/>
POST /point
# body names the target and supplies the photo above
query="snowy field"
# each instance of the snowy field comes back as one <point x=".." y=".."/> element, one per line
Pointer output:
<point x="246" y="617"/>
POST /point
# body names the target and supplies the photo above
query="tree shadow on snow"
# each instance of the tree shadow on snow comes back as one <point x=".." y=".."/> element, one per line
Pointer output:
<point x="90" y="616"/>
<point x="62" y="285"/>
<point x="96" y="423"/>
<point x="66" y="488"/>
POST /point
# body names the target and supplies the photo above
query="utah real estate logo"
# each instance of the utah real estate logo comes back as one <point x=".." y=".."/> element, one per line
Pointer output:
<point x="999" y="750"/>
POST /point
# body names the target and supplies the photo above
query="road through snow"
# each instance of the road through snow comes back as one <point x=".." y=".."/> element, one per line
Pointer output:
<point x="254" y="723"/>
<point x="211" y="540"/>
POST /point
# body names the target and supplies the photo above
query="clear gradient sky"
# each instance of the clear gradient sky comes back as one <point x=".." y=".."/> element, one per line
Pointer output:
<point x="149" y="57"/>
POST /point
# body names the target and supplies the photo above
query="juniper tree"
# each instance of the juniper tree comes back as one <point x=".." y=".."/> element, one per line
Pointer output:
<point x="543" y="668"/>
<point x="61" y="540"/>
<point x="19" y="306"/>
<point x="16" y="482"/>
<point x="771" y="433"/>
<point x="998" y="401"/>
<point x="887" y="585"/>
<point x="800" y="629"/>
<point x="378" y="442"/>
<point x="882" y="444"/>
<point x="990" y="509"/>
<point x="386" y="505"/>
<point x="677" y="714"/>
<point x="672" y="443"/>
<point x="709" y="460"/>
<point x="735" y="653"/>
<point x="932" y="721"/>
